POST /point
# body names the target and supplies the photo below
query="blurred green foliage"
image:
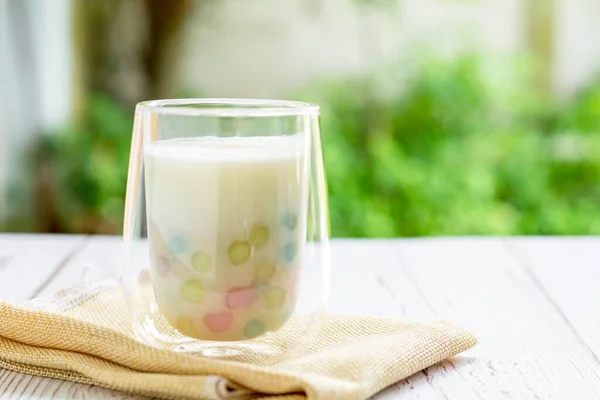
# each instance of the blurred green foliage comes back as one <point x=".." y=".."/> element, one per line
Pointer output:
<point x="460" y="147"/>
<point x="87" y="169"/>
<point x="443" y="147"/>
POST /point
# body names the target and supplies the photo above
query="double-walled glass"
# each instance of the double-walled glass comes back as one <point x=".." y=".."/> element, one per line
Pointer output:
<point x="226" y="227"/>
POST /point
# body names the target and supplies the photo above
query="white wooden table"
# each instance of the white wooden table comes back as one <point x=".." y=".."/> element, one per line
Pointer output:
<point x="534" y="303"/>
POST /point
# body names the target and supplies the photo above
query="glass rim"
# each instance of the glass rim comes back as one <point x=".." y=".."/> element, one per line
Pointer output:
<point x="229" y="107"/>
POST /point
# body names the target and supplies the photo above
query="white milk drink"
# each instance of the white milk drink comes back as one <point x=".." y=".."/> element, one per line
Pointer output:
<point x="226" y="229"/>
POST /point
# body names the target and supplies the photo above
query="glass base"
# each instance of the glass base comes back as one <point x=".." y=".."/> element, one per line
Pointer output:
<point x="267" y="349"/>
<point x="294" y="336"/>
<point x="228" y="351"/>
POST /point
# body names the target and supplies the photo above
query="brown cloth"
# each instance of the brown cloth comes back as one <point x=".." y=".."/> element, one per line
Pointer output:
<point x="85" y="335"/>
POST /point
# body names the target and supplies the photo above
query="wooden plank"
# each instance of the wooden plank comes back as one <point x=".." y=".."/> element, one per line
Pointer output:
<point x="70" y="260"/>
<point x="370" y="269"/>
<point x="527" y="349"/>
<point x="14" y="385"/>
<point x="98" y="258"/>
<point x="567" y="272"/>
<point x="366" y="280"/>
<point x="27" y="262"/>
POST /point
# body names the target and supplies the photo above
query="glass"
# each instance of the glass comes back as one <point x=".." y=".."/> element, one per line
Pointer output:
<point x="226" y="227"/>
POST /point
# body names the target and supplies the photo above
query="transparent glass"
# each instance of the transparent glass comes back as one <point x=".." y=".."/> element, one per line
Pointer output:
<point x="226" y="227"/>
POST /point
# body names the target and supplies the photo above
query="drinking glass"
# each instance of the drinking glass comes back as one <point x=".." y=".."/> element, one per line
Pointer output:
<point x="226" y="227"/>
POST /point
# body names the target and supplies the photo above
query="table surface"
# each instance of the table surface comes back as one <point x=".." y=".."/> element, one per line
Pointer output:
<point x="533" y="302"/>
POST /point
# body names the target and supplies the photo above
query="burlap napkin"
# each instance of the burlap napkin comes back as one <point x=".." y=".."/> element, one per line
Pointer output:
<point x="84" y="335"/>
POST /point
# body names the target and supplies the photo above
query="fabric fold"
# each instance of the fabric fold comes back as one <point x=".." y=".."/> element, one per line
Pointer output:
<point x="84" y="335"/>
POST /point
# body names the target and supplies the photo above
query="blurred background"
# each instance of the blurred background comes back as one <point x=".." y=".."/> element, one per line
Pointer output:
<point x="439" y="117"/>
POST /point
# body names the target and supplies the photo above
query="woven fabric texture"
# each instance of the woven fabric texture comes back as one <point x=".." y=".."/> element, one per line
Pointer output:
<point x="84" y="335"/>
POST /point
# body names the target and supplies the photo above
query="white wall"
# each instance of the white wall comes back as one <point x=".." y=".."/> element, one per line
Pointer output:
<point x="264" y="48"/>
<point x="53" y="46"/>
<point x="35" y="89"/>
<point x="3" y="55"/>
<point x="260" y="48"/>
<point x="18" y="96"/>
<point x="577" y="57"/>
